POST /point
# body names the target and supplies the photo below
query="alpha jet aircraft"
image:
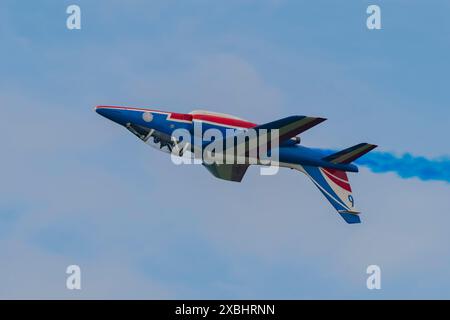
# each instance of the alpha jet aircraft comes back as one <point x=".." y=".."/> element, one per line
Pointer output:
<point x="327" y="172"/>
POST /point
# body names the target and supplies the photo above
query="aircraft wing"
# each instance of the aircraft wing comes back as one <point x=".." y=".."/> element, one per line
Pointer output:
<point x="291" y="126"/>
<point x="288" y="128"/>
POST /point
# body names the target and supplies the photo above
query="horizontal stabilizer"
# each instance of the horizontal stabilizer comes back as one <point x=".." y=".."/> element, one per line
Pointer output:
<point x="350" y="154"/>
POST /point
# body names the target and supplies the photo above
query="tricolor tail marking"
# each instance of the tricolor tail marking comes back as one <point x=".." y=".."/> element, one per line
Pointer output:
<point x="336" y="188"/>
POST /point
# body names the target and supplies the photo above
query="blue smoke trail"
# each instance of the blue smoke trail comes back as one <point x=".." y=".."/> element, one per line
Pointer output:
<point x="407" y="165"/>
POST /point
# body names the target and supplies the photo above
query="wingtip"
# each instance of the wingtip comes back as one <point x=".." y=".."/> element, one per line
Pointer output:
<point x="351" y="218"/>
<point x="317" y="120"/>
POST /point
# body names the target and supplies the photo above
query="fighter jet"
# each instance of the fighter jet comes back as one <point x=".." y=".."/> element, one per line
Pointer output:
<point x="327" y="171"/>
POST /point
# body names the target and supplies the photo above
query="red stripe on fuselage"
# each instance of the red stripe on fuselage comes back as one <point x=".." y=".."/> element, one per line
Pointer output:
<point x="340" y="183"/>
<point x="180" y="116"/>
<point x="130" y="108"/>
<point x="223" y="121"/>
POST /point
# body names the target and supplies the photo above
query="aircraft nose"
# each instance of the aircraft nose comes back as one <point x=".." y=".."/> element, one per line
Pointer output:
<point x="113" y="114"/>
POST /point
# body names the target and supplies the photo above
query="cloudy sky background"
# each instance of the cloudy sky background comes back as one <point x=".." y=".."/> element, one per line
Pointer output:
<point x="78" y="189"/>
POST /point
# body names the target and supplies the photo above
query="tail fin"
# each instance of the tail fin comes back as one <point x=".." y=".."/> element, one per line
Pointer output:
<point x="335" y="187"/>
<point x="350" y="154"/>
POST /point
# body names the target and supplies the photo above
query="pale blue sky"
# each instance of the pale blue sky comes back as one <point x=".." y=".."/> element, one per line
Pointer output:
<point x="78" y="189"/>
